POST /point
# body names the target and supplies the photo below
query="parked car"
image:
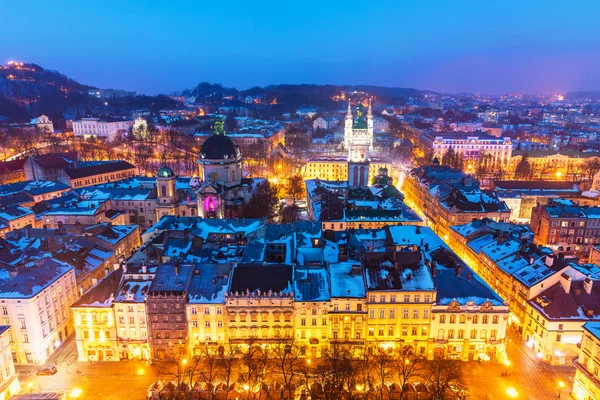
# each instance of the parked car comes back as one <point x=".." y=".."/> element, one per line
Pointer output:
<point x="49" y="370"/>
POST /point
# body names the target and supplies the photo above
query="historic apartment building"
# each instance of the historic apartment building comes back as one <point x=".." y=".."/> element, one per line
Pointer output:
<point x="566" y="227"/>
<point x="401" y="287"/>
<point x="34" y="300"/>
<point x="445" y="197"/>
<point x="586" y="385"/>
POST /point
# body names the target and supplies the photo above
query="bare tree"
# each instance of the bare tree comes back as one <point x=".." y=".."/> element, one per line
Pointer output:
<point x="225" y="366"/>
<point x="444" y="378"/>
<point x="286" y="359"/>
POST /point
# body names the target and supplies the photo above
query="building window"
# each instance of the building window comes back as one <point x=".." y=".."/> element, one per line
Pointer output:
<point x="392" y="313"/>
<point x="442" y="319"/>
<point x="382" y="314"/>
<point x="461" y="333"/>
<point x="485" y="319"/>
<point x="474" y="334"/>
<point x="558" y="337"/>
<point x="405" y="313"/>
<point x="495" y="319"/>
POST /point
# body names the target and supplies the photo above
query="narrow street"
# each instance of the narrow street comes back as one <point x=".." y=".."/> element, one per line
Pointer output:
<point x="530" y="378"/>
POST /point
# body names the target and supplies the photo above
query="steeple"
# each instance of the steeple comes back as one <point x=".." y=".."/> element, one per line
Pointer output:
<point x="349" y="113"/>
<point x="370" y="112"/>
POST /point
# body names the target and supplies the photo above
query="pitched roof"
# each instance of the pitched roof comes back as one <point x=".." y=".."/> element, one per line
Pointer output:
<point x="96" y="169"/>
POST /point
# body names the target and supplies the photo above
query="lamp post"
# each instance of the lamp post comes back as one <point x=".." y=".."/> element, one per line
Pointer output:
<point x="561" y="385"/>
<point x="506" y="365"/>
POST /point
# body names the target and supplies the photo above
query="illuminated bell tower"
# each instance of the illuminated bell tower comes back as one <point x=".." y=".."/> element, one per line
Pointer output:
<point x="358" y="140"/>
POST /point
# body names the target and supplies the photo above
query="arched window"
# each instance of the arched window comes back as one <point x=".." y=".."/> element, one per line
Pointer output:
<point x="355" y="179"/>
<point x="163" y="190"/>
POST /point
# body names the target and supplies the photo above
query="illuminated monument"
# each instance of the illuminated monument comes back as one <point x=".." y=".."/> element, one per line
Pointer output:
<point x="220" y="168"/>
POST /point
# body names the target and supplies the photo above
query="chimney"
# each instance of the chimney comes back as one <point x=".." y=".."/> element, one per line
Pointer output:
<point x="144" y="268"/>
<point x="124" y="264"/>
<point x="433" y="269"/>
<point x="458" y="269"/>
<point x="176" y="269"/>
<point x="549" y="260"/>
<point x="565" y="281"/>
<point x="588" y="283"/>
<point x="355" y="271"/>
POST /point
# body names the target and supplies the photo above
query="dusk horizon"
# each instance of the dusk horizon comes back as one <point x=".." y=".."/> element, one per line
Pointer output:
<point x="444" y="47"/>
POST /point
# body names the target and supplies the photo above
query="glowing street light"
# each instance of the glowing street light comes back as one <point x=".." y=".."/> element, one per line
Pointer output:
<point x="75" y="392"/>
<point x="511" y="392"/>
<point x="561" y="385"/>
<point x="184" y="361"/>
<point x="506" y="365"/>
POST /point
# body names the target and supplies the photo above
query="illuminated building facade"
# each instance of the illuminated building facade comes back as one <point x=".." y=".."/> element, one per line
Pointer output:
<point x="469" y="146"/>
<point x="587" y="374"/>
<point x="445" y="197"/>
<point x="38" y="314"/>
<point x="555" y="318"/>
<point x="9" y="383"/>
<point x="566" y="227"/>
<point x="220" y="168"/>
<point x="94" y="316"/>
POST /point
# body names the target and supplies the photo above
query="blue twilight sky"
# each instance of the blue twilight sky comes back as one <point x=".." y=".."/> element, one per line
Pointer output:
<point x="156" y="46"/>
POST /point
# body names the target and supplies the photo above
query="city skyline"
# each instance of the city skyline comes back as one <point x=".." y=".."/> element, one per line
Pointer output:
<point x="444" y="47"/>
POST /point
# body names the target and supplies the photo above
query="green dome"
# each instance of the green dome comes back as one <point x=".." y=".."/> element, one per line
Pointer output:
<point x="165" y="172"/>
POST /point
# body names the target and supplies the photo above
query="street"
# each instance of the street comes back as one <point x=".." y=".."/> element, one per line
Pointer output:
<point x="530" y="378"/>
<point x="107" y="380"/>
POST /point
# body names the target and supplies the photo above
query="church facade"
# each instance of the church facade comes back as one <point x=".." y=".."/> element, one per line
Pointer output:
<point x="222" y="188"/>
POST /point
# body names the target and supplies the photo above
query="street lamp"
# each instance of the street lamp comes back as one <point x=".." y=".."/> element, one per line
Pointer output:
<point x="511" y="392"/>
<point x="184" y="361"/>
<point x="561" y="385"/>
<point x="506" y="365"/>
<point x="75" y="392"/>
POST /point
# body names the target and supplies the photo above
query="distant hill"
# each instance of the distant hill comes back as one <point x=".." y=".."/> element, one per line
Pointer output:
<point x="28" y="90"/>
<point x="294" y="95"/>
<point x="24" y="83"/>
<point x="591" y="94"/>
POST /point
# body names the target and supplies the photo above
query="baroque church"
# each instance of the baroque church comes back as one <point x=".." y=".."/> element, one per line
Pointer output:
<point x="218" y="192"/>
<point x="222" y="188"/>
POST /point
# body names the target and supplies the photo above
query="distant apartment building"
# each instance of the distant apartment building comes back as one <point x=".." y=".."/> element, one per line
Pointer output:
<point x="566" y="227"/>
<point x="47" y="167"/>
<point x="12" y="171"/>
<point x="298" y="137"/>
<point x="325" y="123"/>
<point x="447" y="197"/>
<point x="105" y="94"/>
<point x="95" y="173"/>
<point x="522" y="196"/>
<point x="470" y="146"/>
<point x="107" y="128"/>
<point x="34" y="301"/>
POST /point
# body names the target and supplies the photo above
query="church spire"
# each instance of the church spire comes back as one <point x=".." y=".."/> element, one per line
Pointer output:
<point x="349" y="113"/>
<point x="370" y="112"/>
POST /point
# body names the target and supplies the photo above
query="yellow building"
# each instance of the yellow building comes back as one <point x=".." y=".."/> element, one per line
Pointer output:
<point x="255" y="314"/>
<point x="9" y="384"/>
<point x="311" y="310"/>
<point x="206" y="312"/>
<point x="95" y="327"/>
<point x="400" y="295"/>
<point x="555" y="319"/>
<point x="587" y="375"/>
<point x="131" y="319"/>
<point x="348" y="309"/>
<point x="335" y="168"/>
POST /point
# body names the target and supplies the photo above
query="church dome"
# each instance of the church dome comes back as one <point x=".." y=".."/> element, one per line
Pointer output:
<point x="219" y="147"/>
<point x="165" y="172"/>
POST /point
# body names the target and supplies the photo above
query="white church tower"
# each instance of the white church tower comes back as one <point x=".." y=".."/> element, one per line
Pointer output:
<point x="358" y="141"/>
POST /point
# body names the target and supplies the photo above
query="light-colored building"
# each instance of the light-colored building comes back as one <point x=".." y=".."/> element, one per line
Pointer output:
<point x="586" y="385"/>
<point x="95" y="327"/>
<point x="97" y="173"/>
<point x="109" y="129"/>
<point x="9" y="384"/>
<point x="34" y="302"/>
<point x="325" y="123"/>
<point x="469" y="146"/>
